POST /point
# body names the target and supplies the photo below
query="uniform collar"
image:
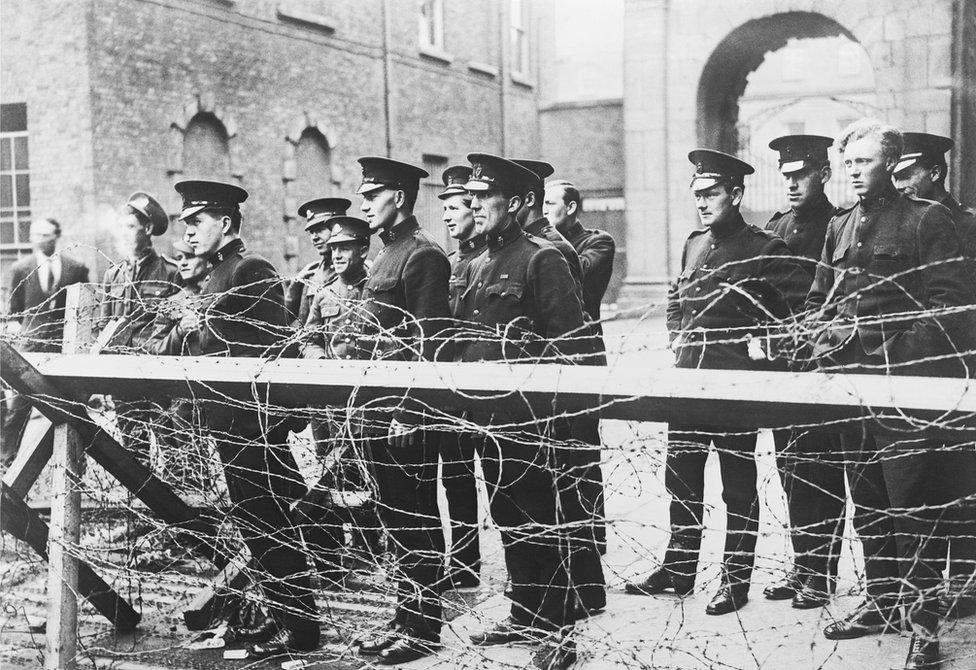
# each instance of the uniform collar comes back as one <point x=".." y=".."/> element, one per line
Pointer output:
<point x="472" y="245"/>
<point x="821" y="206"/>
<point x="537" y="226"/>
<point x="728" y="228"/>
<point x="405" y="228"/>
<point x="575" y="229"/>
<point x="357" y="280"/>
<point x="234" y="247"/>
<point x="145" y="258"/>
<point x="950" y="203"/>
<point x="508" y="234"/>
<point x="879" y="202"/>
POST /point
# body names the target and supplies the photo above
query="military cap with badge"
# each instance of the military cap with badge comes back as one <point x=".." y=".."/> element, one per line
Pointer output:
<point x="489" y="171"/>
<point x="150" y="210"/>
<point x="798" y="152"/>
<point x="716" y="167"/>
<point x="379" y="173"/>
<point x="454" y="178"/>
<point x="923" y="147"/>
<point x="201" y="194"/>
<point x="319" y="211"/>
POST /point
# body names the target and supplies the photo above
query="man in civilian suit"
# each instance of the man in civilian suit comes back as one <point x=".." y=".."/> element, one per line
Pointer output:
<point x="37" y="298"/>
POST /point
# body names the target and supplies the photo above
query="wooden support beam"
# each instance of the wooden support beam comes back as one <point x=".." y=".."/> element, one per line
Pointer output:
<point x="68" y="461"/>
<point x="63" y="406"/>
<point x="23" y="523"/>
<point x="30" y="461"/>
<point x="732" y="398"/>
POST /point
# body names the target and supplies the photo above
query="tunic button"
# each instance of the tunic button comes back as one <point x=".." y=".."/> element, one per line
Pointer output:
<point x="796" y="230"/>
<point x="477" y="312"/>
<point x="698" y="288"/>
<point x="860" y="244"/>
<point x="480" y="284"/>
<point x="713" y="246"/>
<point x="348" y="320"/>
<point x="863" y="219"/>
<point x="694" y="311"/>
<point x="348" y="355"/>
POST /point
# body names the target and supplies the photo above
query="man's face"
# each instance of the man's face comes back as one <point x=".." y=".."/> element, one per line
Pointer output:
<point x="379" y="208"/>
<point x="43" y="236"/>
<point x="555" y="208"/>
<point x="204" y="231"/>
<point x="869" y="172"/>
<point x="192" y="268"/>
<point x="132" y="237"/>
<point x="717" y="204"/>
<point x="458" y="217"/>
<point x="806" y="186"/>
<point x="915" y="180"/>
<point x="348" y="258"/>
<point x="319" y="236"/>
<point x="492" y="210"/>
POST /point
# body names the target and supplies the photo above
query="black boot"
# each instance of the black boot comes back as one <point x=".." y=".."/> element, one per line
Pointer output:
<point x="814" y="593"/>
<point x="729" y="598"/>
<point x="923" y="653"/>
<point x="660" y="581"/>
<point x="866" y="619"/>
<point x="786" y="588"/>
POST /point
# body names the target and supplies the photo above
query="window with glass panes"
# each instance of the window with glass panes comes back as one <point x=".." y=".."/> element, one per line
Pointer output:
<point x="14" y="178"/>
<point x="431" y="24"/>
<point x="520" y="37"/>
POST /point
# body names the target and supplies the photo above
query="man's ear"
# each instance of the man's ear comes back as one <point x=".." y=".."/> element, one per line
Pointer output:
<point x="572" y="207"/>
<point x="737" y="193"/>
<point x="825" y="174"/>
<point x="226" y="225"/>
<point x="937" y="172"/>
<point x="515" y="204"/>
<point x="530" y="199"/>
<point x="400" y="198"/>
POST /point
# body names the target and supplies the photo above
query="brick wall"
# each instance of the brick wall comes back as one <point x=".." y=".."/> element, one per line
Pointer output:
<point x="260" y="71"/>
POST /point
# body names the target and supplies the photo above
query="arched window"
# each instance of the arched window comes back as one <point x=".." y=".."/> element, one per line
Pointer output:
<point x="206" y="154"/>
<point x="313" y="167"/>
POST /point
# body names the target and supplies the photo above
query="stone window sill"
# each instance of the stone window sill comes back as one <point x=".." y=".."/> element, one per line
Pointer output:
<point x="288" y="11"/>
<point x="522" y="80"/>
<point x="433" y="53"/>
<point x="483" y="68"/>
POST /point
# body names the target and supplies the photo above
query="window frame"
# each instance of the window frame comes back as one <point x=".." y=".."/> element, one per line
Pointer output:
<point x="15" y="209"/>
<point x="518" y="22"/>
<point x="431" y="27"/>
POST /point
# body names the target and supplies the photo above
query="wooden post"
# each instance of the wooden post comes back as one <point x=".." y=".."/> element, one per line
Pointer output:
<point x="62" y="587"/>
<point x="80" y="303"/>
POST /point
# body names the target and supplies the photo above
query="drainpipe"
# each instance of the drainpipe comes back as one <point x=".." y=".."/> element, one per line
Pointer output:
<point x="503" y="74"/>
<point x="387" y="66"/>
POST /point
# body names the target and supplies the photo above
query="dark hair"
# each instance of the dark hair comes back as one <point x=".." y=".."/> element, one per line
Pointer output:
<point x="570" y="193"/>
<point x="410" y="196"/>
<point x="57" y="225"/>
<point x="929" y="162"/>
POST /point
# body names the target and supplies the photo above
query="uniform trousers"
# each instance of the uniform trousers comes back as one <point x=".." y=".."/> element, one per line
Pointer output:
<point x="406" y="484"/>
<point x="812" y="473"/>
<point x="457" y="452"/>
<point x="685" y="482"/>
<point x="520" y="473"/>
<point x="957" y="480"/>
<point x="262" y="481"/>
<point x="896" y="506"/>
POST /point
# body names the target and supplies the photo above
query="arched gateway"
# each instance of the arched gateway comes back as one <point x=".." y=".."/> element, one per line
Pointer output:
<point x="685" y="68"/>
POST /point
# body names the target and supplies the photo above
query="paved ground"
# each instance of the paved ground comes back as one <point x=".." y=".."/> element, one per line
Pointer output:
<point x="634" y="632"/>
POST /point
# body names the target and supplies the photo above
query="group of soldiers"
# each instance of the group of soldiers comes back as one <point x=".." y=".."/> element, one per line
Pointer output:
<point x="882" y="287"/>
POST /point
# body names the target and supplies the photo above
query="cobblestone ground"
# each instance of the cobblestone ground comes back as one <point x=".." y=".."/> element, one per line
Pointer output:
<point x="633" y="632"/>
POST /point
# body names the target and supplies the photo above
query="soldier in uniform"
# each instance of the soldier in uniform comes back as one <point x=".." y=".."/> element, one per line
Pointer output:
<point x="810" y="471"/>
<point x="243" y="314"/>
<point x="406" y="298"/>
<point x="189" y="461"/>
<point x="596" y="250"/>
<point x="318" y="273"/>
<point x="733" y="277"/>
<point x="335" y="321"/>
<point x="521" y="304"/>
<point x="458" y="448"/>
<point x="133" y="289"/>
<point x="890" y="256"/>
<point x="921" y="172"/>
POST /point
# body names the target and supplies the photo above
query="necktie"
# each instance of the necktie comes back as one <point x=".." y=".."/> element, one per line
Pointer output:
<point x="49" y="277"/>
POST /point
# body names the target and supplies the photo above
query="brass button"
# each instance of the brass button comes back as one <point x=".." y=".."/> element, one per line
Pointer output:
<point x="477" y="312"/>
<point x="713" y="246"/>
<point x="860" y="244"/>
<point x="863" y="219"/>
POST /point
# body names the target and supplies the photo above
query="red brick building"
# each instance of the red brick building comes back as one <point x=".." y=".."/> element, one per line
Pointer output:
<point x="104" y="97"/>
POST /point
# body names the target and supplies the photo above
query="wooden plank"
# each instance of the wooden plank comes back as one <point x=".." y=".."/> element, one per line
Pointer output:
<point x="62" y="406"/>
<point x="732" y="398"/>
<point x="68" y="461"/>
<point x="80" y="304"/>
<point x="30" y="462"/>
<point x="199" y="614"/>
<point x="23" y="523"/>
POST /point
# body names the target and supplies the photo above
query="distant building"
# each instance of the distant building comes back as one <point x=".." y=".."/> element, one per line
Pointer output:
<point x="103" y="97"/>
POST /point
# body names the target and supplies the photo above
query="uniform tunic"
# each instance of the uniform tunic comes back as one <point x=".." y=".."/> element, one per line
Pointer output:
<point x="298" y="297"/>
<point x="244" y="315"/>
<point x="133" y="292"/>
<point x="335" y="319"/>
<point x="543" y="229"/>
<point x="735" y="280"/>
<point x="812" y="477"/>
<point x="885" y="264"/>
<point x="406" y="304"/>
<point x="596" y="250"/>
<point x="522" y="305"/>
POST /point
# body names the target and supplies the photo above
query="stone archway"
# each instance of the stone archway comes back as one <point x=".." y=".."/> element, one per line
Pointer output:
<point x="723" y="79"/>
<point x="685" y="67"/>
